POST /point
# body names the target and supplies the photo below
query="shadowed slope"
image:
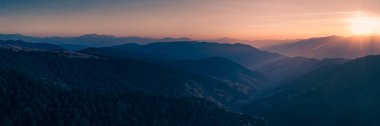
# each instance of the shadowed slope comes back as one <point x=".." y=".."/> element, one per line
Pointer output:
<point x="346" y="94"/>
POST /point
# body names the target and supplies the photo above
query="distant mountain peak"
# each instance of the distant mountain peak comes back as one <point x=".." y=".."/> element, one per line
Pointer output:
<point x="94" y="35"/>
<point x="176" y="39"/>
<point x="229" y="40"/>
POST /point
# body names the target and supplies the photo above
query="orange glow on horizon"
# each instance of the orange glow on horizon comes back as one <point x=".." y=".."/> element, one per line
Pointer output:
<point x="199" y="20"/>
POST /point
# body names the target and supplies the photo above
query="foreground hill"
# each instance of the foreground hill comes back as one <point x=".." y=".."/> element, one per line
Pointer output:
<point x="346" y="94"/>
<point x="25" y="100"/>
<point x="120" y="75"/>
<point x="331" y="47"/>
<point x="251" y="82"/>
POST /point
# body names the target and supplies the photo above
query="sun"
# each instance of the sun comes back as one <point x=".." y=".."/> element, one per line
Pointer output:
<point x="364" y="25"/>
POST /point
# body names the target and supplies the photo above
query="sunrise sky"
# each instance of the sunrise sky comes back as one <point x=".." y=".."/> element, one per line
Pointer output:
<point x="197" y="19"/>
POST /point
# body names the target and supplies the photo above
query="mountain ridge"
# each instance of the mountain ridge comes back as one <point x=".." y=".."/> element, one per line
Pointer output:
<point x="88" y="40"/>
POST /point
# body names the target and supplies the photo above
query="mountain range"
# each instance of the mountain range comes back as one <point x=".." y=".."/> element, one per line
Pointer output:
<point x="40" y="79"/>
<point x="96" y="40"/>
<point x="87" y="40"/>
<point x="318" y="48"/>
<point x="275" y="66"/>
<point x="188" y="83"/>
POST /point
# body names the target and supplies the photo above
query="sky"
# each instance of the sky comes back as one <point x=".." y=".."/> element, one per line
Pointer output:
<point x="197" y="19"/>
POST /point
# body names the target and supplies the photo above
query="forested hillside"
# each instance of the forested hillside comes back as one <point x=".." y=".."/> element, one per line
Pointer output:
<point x="119" y="75"/>
<point x="26" y="101"/>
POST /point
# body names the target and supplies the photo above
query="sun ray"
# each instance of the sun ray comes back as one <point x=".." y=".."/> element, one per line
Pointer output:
<point x="312" y="50"/>
<point x="362" y="24"/>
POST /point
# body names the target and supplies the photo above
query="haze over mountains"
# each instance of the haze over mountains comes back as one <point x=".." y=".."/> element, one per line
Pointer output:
<point x="275" y="66"/>
<point x="331" y="47"/>
<point x="319" y="47"/>
<point x="96" y="40"/>
<point x="87" y="40"/>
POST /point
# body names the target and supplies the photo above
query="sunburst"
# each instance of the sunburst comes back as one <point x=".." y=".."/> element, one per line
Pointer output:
<point x="364" y="25"/>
